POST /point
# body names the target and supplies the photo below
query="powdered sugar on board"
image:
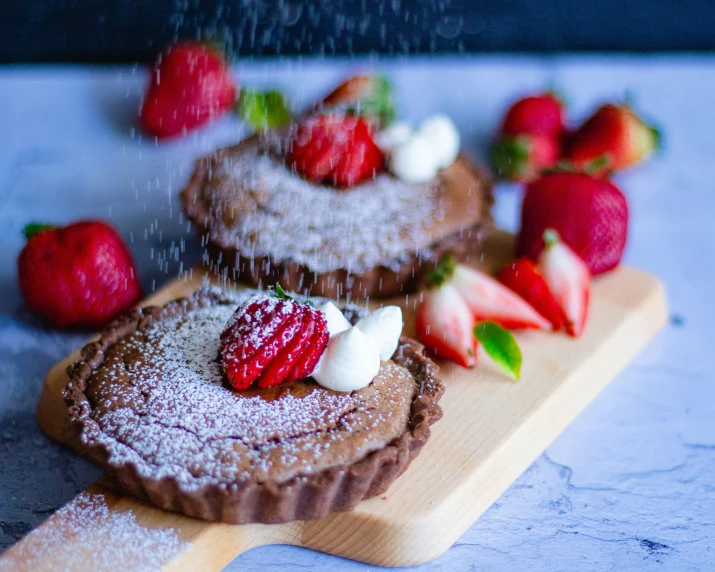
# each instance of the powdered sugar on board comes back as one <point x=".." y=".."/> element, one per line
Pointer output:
<point x="110" y="540"/>
<point x="160" y="404"/>
<point x="263" y="209"/>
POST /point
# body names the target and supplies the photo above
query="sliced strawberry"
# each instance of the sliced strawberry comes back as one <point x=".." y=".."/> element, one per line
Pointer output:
<point x="269" y="340"/>
<point x="335" y="148"/>
<point x="568" y="279"/>
<point x="489" y="300"/>
<point x="308" y="360"/>
<point x="444" y="325"/>
<point x="522" y="277"/>
<point x="368" y="95"/>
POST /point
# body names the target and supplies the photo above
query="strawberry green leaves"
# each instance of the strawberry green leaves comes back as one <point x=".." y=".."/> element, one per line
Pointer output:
<point x="501" y="346"/>
<point x="263" y="109"/>
<point x="34" y="228"/>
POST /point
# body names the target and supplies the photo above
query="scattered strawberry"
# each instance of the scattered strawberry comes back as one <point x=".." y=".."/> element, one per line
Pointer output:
<point x="367" y="95"/>
<point x="444" y="325"/>
<point x="190" y="86"/>
<point x="568" y="279"/>
<point x="271" y="340"/>
<point x="537" y="115"/>
<point x="616" y="132"/>
<point x="488" y="300"/>
<point x="590" y="215"/>
<point x="522" y="157"/>
<point x="335" y="148"/>
<point x="78" y="275"/>
<point x="522" y="277"/>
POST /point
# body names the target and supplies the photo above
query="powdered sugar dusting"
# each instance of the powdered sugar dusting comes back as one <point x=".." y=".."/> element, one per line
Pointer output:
<point x="159" y="403"/>
<point x="109" y="540"/>
<point x="264" y="209"/>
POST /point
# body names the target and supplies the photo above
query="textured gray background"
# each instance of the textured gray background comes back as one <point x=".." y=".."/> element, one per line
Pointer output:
<point x="629" y="485"/>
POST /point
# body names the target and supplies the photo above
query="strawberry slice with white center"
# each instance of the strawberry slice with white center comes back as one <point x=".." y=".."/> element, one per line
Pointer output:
<point x="569" y="280"/>
<point x="444" y="325"/>
<point x="489" y="300"/>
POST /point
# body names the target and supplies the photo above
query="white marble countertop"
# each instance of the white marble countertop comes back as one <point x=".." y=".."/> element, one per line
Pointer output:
<point x="630" y="485"/>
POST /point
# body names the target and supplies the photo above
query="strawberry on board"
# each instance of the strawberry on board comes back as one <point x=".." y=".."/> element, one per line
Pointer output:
<point x="190" y="86"/>
<point x="78" y="275"/>
<point x="614" y="132"/>
<point x="448" y="325"/>
<point x="522" y="157"/>
<point x="541" y="114"/>
<point x="367" y="95"/>
<point x="444" y="325"/>
<point x="489" y="300"/>
<point x="590" y="215"/>
<point x="569" y="281"/>
<point x="522" y="277"/>
<point x="338" y="149"/>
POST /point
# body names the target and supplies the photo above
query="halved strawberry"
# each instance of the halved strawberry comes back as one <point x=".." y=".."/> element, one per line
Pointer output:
<point x="522" y="277"/>
<point x="444" y="325"/>
<point x="569" y="281"/>
<point x="488" y="300"/>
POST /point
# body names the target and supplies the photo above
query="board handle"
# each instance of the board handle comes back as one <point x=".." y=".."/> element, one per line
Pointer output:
<point x="102" y="530"/>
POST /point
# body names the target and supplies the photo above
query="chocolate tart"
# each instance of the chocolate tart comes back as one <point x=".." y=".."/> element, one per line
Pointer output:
<point x="151" y="406"/>
<point x="266" y="224"/>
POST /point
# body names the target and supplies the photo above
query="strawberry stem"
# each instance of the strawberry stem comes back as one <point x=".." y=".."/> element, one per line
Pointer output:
<point x="443" y="271"/>
<point x="597" y="164"/>
<point x="551" y="237"/>
<point x="35" y="228"/>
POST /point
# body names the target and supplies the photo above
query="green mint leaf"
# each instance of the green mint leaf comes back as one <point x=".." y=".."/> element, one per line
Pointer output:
<point x="378" y="102"/>
<point x="34" y="228"/>
<point x="501" y="346"/>
<point x="263" y="109"/>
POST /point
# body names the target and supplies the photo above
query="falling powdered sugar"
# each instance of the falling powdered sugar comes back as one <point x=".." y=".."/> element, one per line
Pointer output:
<point x="264" y="209"/>
<point x="110" y="540"/>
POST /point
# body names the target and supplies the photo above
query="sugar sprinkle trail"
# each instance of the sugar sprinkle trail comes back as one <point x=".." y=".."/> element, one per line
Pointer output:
<point x="110" y="540"/>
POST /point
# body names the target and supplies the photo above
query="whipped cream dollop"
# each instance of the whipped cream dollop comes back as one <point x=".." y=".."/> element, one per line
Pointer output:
<point x="352" y="357"/>
<point x="417" y="155"/>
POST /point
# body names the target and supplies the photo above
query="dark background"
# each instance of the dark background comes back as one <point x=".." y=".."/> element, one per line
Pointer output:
<point x="135" y="30"/>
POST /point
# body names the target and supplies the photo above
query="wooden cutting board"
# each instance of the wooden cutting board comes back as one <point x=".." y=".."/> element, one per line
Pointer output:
<point x="492" y="430"/>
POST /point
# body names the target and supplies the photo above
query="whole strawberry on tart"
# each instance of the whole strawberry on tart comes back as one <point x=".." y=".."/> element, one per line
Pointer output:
<point x="343" y="202"/>
<point x="254" y="406"/>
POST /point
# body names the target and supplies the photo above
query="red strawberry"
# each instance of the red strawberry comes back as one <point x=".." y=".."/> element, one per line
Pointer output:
<point x="79" y="275"/>
<point x="616" y="132"/>
<point x="368" y="95"/>
<point x="488" y="300"/>
<point x="590" y="214"/>
<point x="522" y="277"/>
<point x="190" y="85"/>
<point x="444" y="325"/>
<point x="335" y="148"/>
<point x="538" y="115"/>
<point x="271" y="340"/>
<point x="568" y="279"/>
<point x="522" y="157"/>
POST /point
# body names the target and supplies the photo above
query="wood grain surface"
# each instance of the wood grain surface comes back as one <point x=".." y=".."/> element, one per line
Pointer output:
<point x="491" y="432"/>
